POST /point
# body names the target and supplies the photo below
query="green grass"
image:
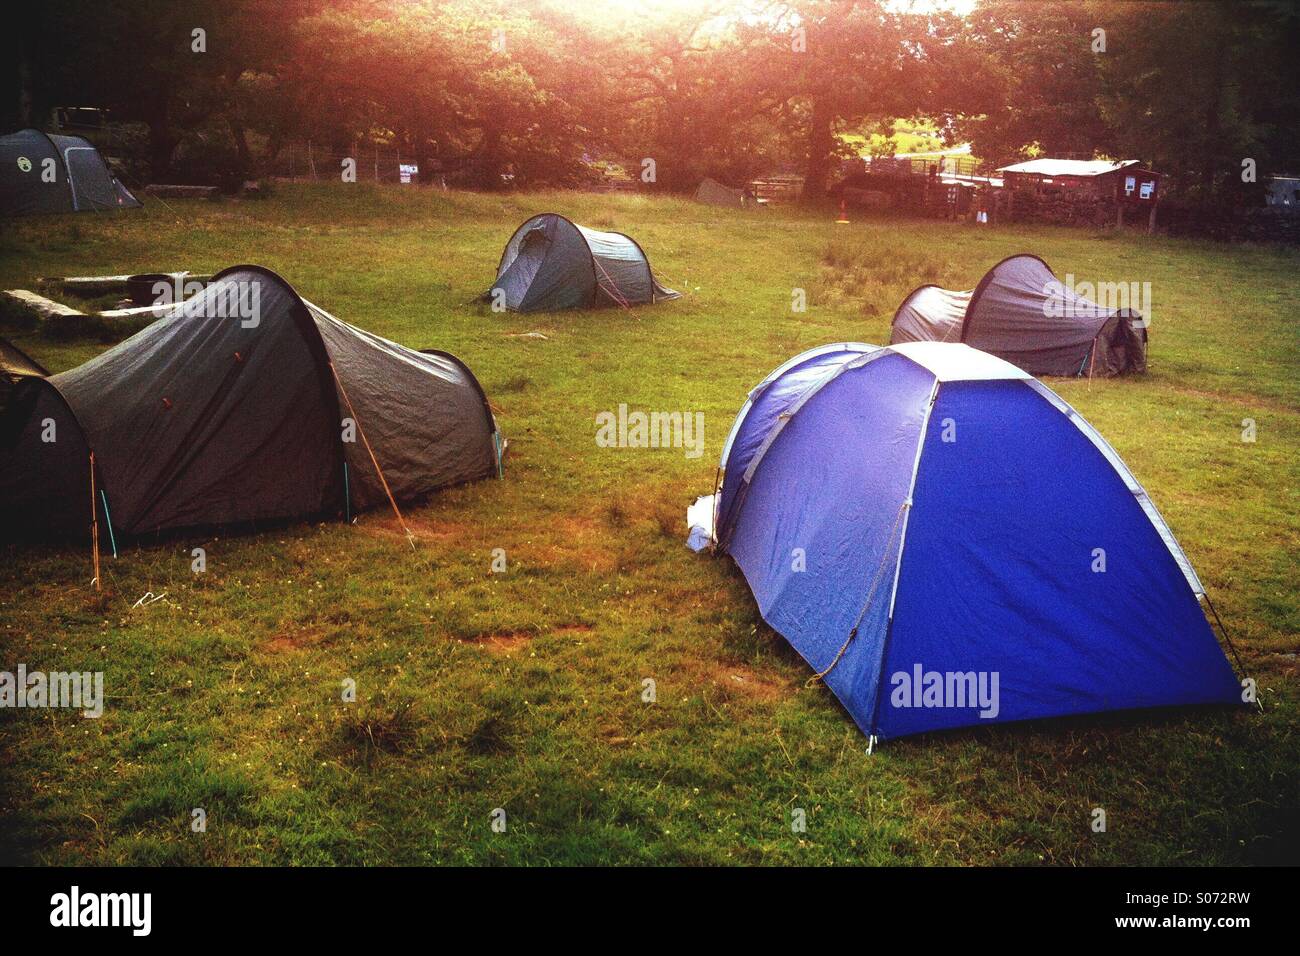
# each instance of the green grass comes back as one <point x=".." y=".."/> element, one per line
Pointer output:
<point x="917" y="137"/>
<point x="523" y="691"/>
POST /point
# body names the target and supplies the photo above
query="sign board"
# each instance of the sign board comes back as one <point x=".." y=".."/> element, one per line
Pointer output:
<point x="1139" y="187"/>
<point x="407" y="171"/>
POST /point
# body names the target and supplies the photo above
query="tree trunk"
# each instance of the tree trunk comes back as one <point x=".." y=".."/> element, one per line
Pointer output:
<point x="246" y="166"/>
<point x="424" y="154"/>
<point x="162" y="144"/>
<point x="162" y="141"/>
<point x="1213" y="106"/>
<point x="488" y="161"/>
<point x="24" y="88"/>
<point x="821" y="142"/>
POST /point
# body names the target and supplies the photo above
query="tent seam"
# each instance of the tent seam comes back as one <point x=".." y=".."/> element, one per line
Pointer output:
<point x="863" y="359"/>
<point x="902" y="544"/>
<point x="66" y="172"/>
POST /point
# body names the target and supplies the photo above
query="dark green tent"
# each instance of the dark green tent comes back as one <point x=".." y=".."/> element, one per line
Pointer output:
<point x="715" y="194"/>
<point x="43" y="173"/>
<point x="245" y="403"/>
<point x="551" y="263"/>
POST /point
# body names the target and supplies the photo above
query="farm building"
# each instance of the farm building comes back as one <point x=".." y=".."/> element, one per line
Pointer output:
<point x="1089" y="191"/>
<point x="1097" y="178"/>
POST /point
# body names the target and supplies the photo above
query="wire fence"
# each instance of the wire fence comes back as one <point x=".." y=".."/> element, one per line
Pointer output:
<point x="367" y="163"/>
<point x="952" y="165"/>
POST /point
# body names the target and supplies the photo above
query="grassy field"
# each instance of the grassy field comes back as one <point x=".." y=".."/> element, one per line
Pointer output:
<point x="522" y="690"/>
<point x="910" y="137"/>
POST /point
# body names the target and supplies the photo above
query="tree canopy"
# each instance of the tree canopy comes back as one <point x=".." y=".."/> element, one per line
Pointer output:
<point x="534" y="92"/>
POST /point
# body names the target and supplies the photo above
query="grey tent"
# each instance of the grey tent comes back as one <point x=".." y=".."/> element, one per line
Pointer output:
<point x="44" y="173"/>
<point x="551" y="263"/>
<point x="715" y="194"/>
<point x="1023" y="314"/>
<point x="245" y="403"/>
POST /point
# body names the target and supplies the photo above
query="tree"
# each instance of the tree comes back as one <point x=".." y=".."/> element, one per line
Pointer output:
<point x="1192" y="89"/>
<point x="844" y="63"/>
<point x="689" y="89"/>
<point x="1196" y="108"/>
<point x="1044" y="82"/>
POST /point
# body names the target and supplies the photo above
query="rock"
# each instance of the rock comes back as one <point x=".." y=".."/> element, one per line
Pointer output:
<point x="169" y="191"/>
<point x="35" y="306"/>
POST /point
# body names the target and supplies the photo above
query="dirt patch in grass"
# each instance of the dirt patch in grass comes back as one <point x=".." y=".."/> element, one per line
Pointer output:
<point x="290" y="639"/>
<point x="382" y="523"/>
<point x="1248" y="401"/>
<point x="614" y="735"/>
<point x="576" y="544"/>
<point x="572" y="630"/>
<point x="744" y="682"/>
<point x="502" y="644"/>
<point x="1287" y="663"/>
<point x="506" y="643"/>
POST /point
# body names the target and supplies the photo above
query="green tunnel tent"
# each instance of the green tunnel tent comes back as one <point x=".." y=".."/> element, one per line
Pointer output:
<point x="714" y="193"/>
<point x="221" y="414"/>
<point x="47" y="173"/>
<point x="1024" y="315"/>
<point x="552" y="263"/>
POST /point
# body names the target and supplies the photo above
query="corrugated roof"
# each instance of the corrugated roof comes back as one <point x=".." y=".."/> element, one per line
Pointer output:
<point x="1068" y="167"/>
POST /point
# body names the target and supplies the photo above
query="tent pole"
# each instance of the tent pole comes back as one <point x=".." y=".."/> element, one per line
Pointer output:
<point x="94" y="523"/>
<point x="108" y="520"/>
<point x="347" y="496"/>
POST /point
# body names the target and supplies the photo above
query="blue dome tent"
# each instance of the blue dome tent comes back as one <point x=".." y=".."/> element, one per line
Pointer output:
<point x="551" y="263"/>
<point x="948" y="543"/>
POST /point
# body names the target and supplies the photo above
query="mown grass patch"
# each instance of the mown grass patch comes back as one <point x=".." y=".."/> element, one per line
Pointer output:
<point x="524" y="691"/>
